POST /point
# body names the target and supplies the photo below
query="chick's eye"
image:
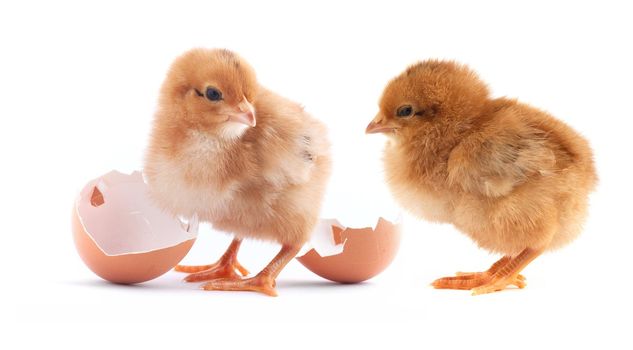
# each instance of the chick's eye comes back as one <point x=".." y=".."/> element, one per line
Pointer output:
<point x="213" y="94"/>
<point x="404" y="111"/>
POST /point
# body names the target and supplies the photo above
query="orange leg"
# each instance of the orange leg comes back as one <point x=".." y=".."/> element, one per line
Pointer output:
<point x="508" y="274"/>
<point x="224" y="268"/>
<point x="470" y="280"/>
<point x="264" y="281"/>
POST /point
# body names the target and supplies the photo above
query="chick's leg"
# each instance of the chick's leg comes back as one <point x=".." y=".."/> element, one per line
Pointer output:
<point x="264" y="281"/>
<point x="223" y="268"/>
<point x="470" y="280"/>
<point x="508" y="274"/>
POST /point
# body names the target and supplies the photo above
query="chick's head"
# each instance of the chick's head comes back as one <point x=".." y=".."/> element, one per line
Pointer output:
<point x="215" y="89"/>
<point x="430" y="95"/>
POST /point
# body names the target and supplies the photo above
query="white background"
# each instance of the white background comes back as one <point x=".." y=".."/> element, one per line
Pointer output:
<point x="78" y="88"/>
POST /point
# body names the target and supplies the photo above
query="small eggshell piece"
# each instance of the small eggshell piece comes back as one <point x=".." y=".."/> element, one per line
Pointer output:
<point x="366" y="253"/>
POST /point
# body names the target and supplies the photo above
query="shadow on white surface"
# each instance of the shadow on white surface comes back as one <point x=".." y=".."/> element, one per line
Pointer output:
<point x="173" y="286"/>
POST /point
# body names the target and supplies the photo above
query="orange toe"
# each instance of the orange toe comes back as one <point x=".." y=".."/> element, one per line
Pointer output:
<point x="225" y="268"/>
<point x="260" y="283"/>
<point x="498" y="284"/>
<point x="213" y="273"/>
<point x="462" y="282"/>
<point x="193" y="268"/>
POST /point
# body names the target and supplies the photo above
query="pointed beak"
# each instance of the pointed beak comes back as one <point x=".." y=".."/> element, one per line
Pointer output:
<point x="245" y="114"/>
<point x="378" y="125"/>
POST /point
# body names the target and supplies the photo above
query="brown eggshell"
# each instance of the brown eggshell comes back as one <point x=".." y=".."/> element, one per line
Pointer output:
<point x="366" y="253"/>
<point x="121" y="236"/>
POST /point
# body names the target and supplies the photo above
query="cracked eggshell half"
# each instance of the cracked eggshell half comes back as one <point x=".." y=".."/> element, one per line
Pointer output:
<point x="122" y="236"/>
<point x="351" y="255"/>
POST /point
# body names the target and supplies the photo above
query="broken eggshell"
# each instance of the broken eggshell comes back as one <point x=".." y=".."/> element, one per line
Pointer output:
<point x="122" y="236"/>
<point x="349" y="255"/>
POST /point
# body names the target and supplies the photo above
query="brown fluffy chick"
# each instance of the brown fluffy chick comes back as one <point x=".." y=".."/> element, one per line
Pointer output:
<point x="238" y="156"/>
<point x="511" y="177"/>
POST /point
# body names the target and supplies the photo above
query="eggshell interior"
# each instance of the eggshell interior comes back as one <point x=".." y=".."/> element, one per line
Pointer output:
<point x="349" y="255"/>
<point x="122" y="235"/>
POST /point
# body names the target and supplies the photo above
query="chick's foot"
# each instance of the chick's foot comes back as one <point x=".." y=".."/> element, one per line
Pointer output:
<point x="226" y="267"/>
<point x="461" y="282"/>
<point x="221" y="269"/>
<point x="470" y="280"/>
<point x="508" y="274"/>
<point x="263" y="282"/>
<point x="260" y="283"/>
<point x="499" y="284"/>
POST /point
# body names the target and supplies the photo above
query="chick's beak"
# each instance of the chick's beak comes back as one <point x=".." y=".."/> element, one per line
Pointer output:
<point x="378" y="125"/>
<point x="245" y="114"/>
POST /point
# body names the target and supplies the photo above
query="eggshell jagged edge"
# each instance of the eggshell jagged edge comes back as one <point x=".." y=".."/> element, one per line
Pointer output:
<point x="349" y="255"/>
<point x="156" y="260"/>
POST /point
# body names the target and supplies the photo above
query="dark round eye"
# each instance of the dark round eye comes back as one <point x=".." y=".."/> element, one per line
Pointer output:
<point x="213" y="94"/>
<point x="404" y="111"/>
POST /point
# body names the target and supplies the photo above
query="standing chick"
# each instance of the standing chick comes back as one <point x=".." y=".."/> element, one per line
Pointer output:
<point x="239" y="156"/>
<point x="508" y="175"/>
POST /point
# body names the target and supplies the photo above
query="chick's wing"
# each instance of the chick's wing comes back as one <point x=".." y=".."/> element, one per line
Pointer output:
<point x="495" y="161"/>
